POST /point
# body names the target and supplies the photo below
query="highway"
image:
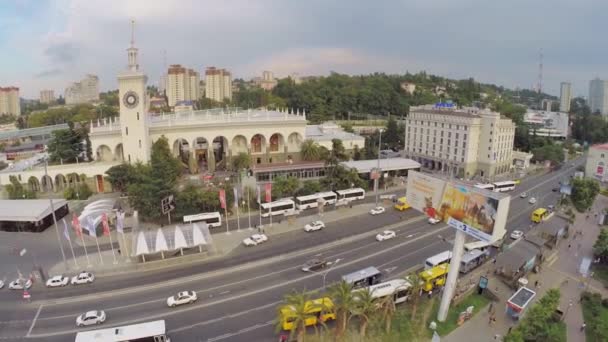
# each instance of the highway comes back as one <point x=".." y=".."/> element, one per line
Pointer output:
<point x="238" y="296"/>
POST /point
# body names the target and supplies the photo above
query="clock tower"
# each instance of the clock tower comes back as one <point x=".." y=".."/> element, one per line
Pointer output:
<point x="134" y="108"/>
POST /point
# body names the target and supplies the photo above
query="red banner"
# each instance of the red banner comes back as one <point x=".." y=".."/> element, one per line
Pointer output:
<point x="106" y="226"/>
<point x="76" y="225"/>
<point x="268" y="192"/>
<point x="223" y="198"/>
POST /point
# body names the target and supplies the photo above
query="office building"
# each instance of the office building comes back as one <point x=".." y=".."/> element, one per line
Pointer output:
<point x="598" y="96"/>
<point x="182" y="84"/>
<point x="84" y="91"/>
<point x="565" y="96"/>
<point x="47" y="96"/>
<point x="266" y="82"/>
<point x="218" y="84"/>
<point x="9" y="101"/>
<point x="548" y="124"/>
<point x="468" y="142"/>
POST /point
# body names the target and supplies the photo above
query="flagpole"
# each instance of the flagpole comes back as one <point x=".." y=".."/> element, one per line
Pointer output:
<point x="85" y="249"/>
<point x="98" y="249"/>
<point x="226" y="215"/>
<point x="106" y="228"/>
<point x="67" y="235"/>
<point x="236" y="204"/>
<point x="260" y="205"/>
<point x="248" y="208"/>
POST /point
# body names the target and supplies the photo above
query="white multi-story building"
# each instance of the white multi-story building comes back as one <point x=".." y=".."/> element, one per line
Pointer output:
<point x="548" y="124"/>
<point x="565" y="96"/>
<point x="182" y="85"/>
<point x="9" y="101"/>
<point x="218" y="84"/>
<point x="596" y="165"/>
<point x="465" y="142"/>
<point x="47" y="96"/>
<point x="598" y="96"/>
<point x="266" y="82"/>
<point x="84" y="91"/>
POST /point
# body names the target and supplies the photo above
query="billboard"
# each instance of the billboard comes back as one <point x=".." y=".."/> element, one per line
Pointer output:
<point x="424" y="193"/>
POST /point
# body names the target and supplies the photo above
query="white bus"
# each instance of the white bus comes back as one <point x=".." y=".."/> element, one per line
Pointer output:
<point x="307" y="202"/>
<point x="329" y="197"/>
<point x="481" y="245"/>
<point x="279" y="207"/>
<point x="485" y="186"/>
<point x="351" y="194"/>
<point x="366" y="277"/>
<point x="213" y="219"/>
<point x="435" y="260"/>
<point x="400" y="289"/>
<point x="472" y="260"/>
<point x="142" y="332"/>
<point x="504" y="186"/>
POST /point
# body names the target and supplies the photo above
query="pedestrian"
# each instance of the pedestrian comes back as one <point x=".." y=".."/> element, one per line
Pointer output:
<point x="536" y="284"/>
<point x="490" y="321"/>
<point x="430" y="294"/>
<point x="491" y="307"/>
<point x="583" y="327"/>
<point x="569" y="245"/>
<point x="510" y="328"/>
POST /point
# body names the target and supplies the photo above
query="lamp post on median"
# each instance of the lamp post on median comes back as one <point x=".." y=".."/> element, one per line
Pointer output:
<point x="329" y="269"/>
<point x="46" y="177"/>
<point x="377" y="181"/>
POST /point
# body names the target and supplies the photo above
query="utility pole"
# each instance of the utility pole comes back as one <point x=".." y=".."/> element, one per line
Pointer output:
<point x="46" y="176"/>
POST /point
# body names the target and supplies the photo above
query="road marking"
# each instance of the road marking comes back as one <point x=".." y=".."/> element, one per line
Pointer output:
<point x="34" y="321"/>
<point x="224" y="292"/>
<point x="390" y="269"/>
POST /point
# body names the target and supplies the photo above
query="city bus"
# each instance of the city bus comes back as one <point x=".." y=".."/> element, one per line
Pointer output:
<point x="472" y="260"/>
<point x="481" y="245"/>
<point x="435" y="260"/>
<point x="504" y="186"/>
<point x="329" y="197"/>
<point x="351" y="194"/>
<point x="485" y="186"/>
<point x="279" y="207"/>
<point x="366" y="277"/>
<point x="142" y="332"/>
<point x="400" y="289"/>
<point x="307" y="202"/>
<point x="213" y="219"/>
<point x="317" y="310"/>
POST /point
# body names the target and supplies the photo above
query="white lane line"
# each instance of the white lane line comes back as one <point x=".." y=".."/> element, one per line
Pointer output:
<point x="34" y="321"/>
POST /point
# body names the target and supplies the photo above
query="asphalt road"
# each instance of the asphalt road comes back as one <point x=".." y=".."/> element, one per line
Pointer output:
<point x="238" y="303"/>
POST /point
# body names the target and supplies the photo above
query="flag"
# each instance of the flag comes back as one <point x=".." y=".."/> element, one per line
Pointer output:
<point x="236" y="197"/>
<point x="66" y="233"/>
<point x="106" y="226"/>
<point x="90" y="225"/>
<point x="257" y="193"/>
<point x="76" y="225"/>
<point x="120" y="221"/>
<point x="223" y="198"/>
<point x="268" y="191"/>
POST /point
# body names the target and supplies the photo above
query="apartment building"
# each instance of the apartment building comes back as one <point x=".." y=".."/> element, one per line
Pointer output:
<point x="218" y="84"/>
<point x="565" y="96"/>
<point x="266" y="82"/>
<point x="467" y="142"/>
<point x="9" y="101"/>
<point x="47" y="96"/>
<point x="598" y="96"/>
<point x="83" y="91"/>
<point x="182" y="85"/>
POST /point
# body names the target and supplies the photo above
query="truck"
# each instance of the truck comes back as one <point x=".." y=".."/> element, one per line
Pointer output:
<point x="402" y="204"/>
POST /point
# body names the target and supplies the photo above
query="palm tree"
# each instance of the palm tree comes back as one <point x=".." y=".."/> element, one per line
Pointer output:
<point x="387" y="307"/>
<point x="241" y="161"/>
<point x="344" y="301"/>
<point x="365" y="306"/>
<point x="310" y="150"/>
<point x="296" y="301"/>
<point x="414" y="279"/>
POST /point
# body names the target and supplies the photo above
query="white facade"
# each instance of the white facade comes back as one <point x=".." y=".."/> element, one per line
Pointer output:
<point x="565" y="97"/>
<point x="9" y="101"/>
<point x="597" y="162"/>
<point x="408" y="87"/>
<point x="84" y="91"/>
<point x="324" y="134"/>
<point x="266" y="82"/>
<point x="467" y="142"/>
<point x="598" y="96"/>
<point x="182" y="85"/>
<point x="47" y="96"/>
<point x="548" y="124"/>
<point x="218" y="84"/>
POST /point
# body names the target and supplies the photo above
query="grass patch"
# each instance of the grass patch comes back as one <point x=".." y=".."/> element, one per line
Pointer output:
<point x="595" y="313"/>
<point x="479" y="302"/>
<point x="600" y="272"/>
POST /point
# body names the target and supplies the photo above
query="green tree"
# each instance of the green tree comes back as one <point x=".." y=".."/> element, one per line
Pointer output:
<point x="241" y="161"/>
<point x="344" y="302"/>
<point x="166" y="169"/>
<point x="310" y="150"/>
<point x="297" y="301"/>
<point x="81" y="191"/>
<point x="309" y="187"/>
<point x="539" y="323"/>
<point x="393" y="136"/>
<point x="16" y="190"/>
<point x="120" y="176"/>
<point x="600" y="247"/>
<point x="364" y="308"/>
<point x="188" y="201"/>
<point x="584" y="192"/>
<point x="65" y="145"/>
<point x="284" y="186"/>
<point x="548" y="151"/>
<point x="387" y="309"/>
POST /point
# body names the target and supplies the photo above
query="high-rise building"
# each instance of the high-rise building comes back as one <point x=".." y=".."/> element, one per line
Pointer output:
<point x="266" y="82"/>
<point x="47" y="96"/>
<point x="565" y="97"/>
<point x="218" y="84"/>
<point x="84" y="91"/>
<point x="598" y="96"/>
<point x="465" y="142"/>
<point x="182" y="84"/>
<point x="9" y="101"/>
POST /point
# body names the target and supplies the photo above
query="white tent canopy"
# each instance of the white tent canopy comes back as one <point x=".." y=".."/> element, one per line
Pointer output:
<point x="170" y="239"/>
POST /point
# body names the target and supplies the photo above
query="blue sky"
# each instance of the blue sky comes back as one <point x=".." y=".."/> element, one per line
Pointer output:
<point x="48" y="43"/>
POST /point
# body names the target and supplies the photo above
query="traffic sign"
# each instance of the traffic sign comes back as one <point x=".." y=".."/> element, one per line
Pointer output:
<point x="26" y="295"/>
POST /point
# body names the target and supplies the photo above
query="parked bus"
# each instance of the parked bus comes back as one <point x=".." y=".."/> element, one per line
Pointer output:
<point x="213" y="219"/>
<point x="319" y="310"/>
<point x="329" y="197"/>
<point x="366" y="277"/>
<point x="351" y="194"/>
<point x="472" y="260"/>
<point x="279" y="207"/>
<point x="481" y="245"/>
<point x="504" y="186"/>
<point x="435" y="260"/>
<point x="400" y="289"/>
<point x="485" y="186"/>
<point x="143" y="332"/>
<point x="307" y="202"/>
<point x="539" y="215"/>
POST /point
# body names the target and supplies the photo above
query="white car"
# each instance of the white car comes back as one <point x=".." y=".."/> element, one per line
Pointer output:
<point x="57" y="281"/>
<point x="377" y="211"/>
<point x="20" y="284"/>
<point x="83" y="278"/>
<point x="532" y="200"/>
<point x="433" y="220"/>
<point x="385" y="235"/>
<point x="523" y="195"/>
<point x="317" y="225"/>
<point x="517" y="234"/>
<point x="91" y="318"/>
<point x="184" y="297"/>
<point x="255" y="240"/>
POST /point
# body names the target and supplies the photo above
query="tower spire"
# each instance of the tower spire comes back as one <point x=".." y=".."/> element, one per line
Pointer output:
<point x="132" y="33"/>
<point x="132" y="51"/>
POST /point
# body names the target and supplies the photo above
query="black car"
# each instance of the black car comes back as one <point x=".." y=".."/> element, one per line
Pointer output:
<point x="555" y="189"/>
<point x="315" y="265"/>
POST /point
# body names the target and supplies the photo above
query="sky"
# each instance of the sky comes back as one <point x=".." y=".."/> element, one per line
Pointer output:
<point x="50" y="43"/>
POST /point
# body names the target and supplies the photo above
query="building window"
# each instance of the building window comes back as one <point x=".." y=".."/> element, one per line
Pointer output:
<point x="129" y="157"/>
<point x="602" y="155"/>
<point x="449" y="134"/>
<point x="137" y="116"/>
<point x="139" y="143"/>
<point x="457" y="136"/>
<point x="462" y="159"/>
<point x="465" y="137"/>
<point x="127" y="130"/>
<point x="464" y="144"/>
<point x="489" y="148"/>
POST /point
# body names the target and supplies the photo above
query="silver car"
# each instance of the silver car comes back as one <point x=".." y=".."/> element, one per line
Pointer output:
<point x="91" y="318"/>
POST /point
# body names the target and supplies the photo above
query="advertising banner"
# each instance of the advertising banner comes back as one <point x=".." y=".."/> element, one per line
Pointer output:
<point x="223" y="198"/>
<point x="424" y="193"/>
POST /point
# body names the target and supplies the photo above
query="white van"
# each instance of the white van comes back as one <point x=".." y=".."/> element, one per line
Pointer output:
<point x="435" y="260"/>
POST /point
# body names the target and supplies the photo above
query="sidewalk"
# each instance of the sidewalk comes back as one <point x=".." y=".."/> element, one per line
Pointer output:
<point x="560" y="270"/>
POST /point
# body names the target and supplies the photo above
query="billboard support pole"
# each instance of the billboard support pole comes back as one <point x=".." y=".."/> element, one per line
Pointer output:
<point x="450" y="285"/>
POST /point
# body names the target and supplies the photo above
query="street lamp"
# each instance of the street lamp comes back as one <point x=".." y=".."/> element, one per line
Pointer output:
<point x="377" y="181"/>
<point x="329" y="269"/>
<point x="46" y="176"/>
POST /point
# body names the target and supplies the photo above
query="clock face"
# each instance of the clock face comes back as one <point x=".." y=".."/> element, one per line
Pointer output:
<point x="130" y="99"/>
